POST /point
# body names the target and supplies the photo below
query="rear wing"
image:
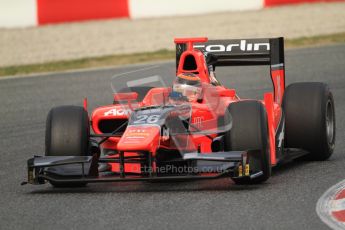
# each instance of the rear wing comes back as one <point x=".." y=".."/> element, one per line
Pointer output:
<point x="239" y="52"/>
<point x="242" y="52"/>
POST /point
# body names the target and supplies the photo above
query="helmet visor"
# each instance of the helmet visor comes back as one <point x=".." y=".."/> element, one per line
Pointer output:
<point x="191" y="92"/>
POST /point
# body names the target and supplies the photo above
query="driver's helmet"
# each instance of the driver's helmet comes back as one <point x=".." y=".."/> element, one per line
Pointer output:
<point x="189" y="85"/>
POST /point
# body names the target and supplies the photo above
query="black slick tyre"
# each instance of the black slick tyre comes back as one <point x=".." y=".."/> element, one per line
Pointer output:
<point x="249" y="132"/>
<point x="310" y="119"/>
<point x="67" y="134"/>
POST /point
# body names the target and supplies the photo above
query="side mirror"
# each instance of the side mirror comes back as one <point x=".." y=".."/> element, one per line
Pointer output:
<point x="228" y="93"/>
<point x="224" y="93"/>
<point x="130" y="96"/>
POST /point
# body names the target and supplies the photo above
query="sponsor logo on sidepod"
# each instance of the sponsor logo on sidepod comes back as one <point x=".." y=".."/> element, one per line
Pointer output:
<point x="117" y="112"/>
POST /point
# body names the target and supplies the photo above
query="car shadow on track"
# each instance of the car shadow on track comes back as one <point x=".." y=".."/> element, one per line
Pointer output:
<point x="146" y="187"/>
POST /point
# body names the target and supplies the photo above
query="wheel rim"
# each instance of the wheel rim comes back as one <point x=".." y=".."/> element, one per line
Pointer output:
<point x="330" y="122"/>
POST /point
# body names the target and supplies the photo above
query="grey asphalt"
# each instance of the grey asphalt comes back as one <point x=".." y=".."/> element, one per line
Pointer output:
<point x="286" y="201"/>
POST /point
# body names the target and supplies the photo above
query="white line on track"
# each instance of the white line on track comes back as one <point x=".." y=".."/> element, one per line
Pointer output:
<point x="327" y="204"/>
<point x="338" y="205"/>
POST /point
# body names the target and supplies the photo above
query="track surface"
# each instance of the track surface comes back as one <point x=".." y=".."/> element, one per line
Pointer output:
<point x="286" y="201"/>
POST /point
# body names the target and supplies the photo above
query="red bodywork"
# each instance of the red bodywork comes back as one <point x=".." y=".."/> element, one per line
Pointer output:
<point x="135" y="139"/>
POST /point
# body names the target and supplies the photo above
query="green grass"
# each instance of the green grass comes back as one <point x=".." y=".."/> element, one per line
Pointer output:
<point x="117" y="60"/>
<point x="315" y="40"/>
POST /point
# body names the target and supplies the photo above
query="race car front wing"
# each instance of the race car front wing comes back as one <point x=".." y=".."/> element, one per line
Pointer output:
<point x="84" y="169"/>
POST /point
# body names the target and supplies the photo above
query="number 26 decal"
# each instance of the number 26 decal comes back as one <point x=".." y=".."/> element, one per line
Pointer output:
<point x="146" y="119"/>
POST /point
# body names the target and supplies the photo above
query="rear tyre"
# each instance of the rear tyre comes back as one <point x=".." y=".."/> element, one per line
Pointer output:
<point x="310" y="119"/>
<point x="67" y="134"/>
<point x="250" y="132"/>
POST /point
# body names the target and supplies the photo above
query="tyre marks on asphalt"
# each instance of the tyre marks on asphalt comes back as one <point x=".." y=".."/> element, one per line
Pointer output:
<point x="331" y="206"/>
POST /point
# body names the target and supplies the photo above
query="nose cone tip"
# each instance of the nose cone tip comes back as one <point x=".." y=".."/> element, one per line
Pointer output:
<point x="139" y="138"/>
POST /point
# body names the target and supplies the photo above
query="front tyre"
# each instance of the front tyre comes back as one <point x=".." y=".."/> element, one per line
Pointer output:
<point x="67" y="134"/>
<point x="250" y="132"/>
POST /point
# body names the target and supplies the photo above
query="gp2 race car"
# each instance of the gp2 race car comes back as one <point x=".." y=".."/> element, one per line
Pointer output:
<point x="154" y="134"/>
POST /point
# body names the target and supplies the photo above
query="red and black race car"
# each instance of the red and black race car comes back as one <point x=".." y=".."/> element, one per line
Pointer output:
<point x="158" y="133"/>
